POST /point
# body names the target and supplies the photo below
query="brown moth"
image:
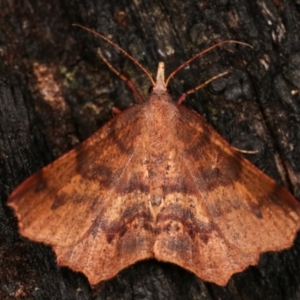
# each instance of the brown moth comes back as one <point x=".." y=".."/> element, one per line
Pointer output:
<point x="156" y="181"/>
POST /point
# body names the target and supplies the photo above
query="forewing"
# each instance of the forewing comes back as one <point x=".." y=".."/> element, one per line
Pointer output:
<point x="229" y="211"/>
<point x="122" y="234"/>
<point x="59" y="204"/>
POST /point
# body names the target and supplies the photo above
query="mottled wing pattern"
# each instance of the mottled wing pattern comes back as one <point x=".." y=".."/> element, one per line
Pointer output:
<point x="122" y="233"/>
<point x="227" y="211"/>
<point x="129" y="235"/>
<point x="157" y="181"/>
<point x="69" y="198"/>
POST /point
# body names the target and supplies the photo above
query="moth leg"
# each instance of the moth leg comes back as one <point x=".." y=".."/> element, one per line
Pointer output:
<point x="123" y="77"/>
<point x="200" y="86"/>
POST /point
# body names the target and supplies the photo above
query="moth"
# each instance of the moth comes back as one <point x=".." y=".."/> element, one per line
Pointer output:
<point x="157" y="181"/>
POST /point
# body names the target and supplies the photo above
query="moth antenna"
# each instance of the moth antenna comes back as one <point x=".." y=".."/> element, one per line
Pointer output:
<point x="120" y="49"/>
<point x="203" y="52"/>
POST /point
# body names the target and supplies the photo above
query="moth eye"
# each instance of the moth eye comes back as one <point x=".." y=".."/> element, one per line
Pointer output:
<point x="150" y="89"/>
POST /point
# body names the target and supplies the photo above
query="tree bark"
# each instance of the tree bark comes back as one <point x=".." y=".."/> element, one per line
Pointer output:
<point x="56" y="91"/>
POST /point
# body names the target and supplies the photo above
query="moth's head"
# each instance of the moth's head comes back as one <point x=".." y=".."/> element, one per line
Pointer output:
<point x="160" y="86"/>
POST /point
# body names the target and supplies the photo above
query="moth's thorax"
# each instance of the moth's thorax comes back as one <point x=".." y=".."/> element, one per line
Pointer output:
<point x="159" y="125"/>
<point x="160" y="112"/>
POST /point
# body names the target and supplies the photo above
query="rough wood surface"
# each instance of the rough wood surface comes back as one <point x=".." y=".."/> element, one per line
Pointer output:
<point x="55" y="92"/>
